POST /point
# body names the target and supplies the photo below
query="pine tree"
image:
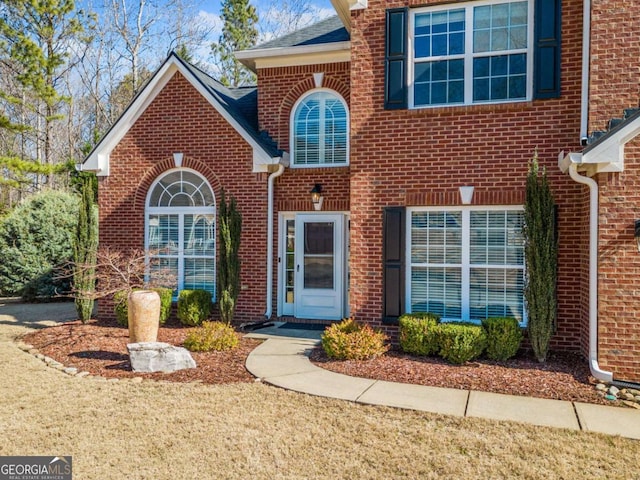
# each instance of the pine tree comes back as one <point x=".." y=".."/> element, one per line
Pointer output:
<point x="239" y="32"/>
<point x="35" y="41"/>
<point x="85" y="250"/>
<point x="541" y="254"/>
<point x="230" y="227"/>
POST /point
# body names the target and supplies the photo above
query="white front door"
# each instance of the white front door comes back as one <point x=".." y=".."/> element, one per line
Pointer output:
<point x="319" y="266"/>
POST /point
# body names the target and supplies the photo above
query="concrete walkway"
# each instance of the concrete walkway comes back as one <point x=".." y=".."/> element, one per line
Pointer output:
<point x="283" y="361"/>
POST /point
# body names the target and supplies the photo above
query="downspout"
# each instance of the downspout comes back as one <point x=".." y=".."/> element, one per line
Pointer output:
<point x="586" y="53"/>
<point x="270" y="189"/>
<point x="596" y="371"/>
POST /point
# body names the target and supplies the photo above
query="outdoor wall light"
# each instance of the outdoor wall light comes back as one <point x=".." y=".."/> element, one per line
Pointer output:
<point x="637" y="233"/>
<point x="316" y="196"/>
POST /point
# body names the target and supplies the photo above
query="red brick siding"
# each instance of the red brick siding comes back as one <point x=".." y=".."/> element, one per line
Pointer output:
<point x="423" y="156"/>
<point x="614" y="68"/>
<point x="619" y="269"/>
<point x="614" y="86"/>
<point x="181" y="120"/>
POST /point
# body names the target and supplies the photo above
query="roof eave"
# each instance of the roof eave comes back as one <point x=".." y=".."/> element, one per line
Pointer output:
<point x="344" y="7"/>
<point x="607" y="153"/>
<point x="316" y="53"/>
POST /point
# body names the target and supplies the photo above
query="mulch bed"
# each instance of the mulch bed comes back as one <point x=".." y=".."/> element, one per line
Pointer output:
<point x="565" y="376"/>
<point x="100" y="349"/>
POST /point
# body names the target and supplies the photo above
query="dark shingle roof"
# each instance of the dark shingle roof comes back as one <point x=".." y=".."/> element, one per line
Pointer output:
<point x="615" y="124"/>
<point x="330" y="30"/>
<point x="239" y="102"/>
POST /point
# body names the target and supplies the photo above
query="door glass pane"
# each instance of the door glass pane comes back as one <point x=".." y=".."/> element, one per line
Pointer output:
<point x="290" y="261"/>
<point x="318" y="255"/>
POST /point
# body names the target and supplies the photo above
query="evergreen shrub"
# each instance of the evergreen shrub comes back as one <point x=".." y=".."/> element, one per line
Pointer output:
<point x="36" y="239"/>
<point x="418" y="333"/>
<point x="194" y="307"/>
<point x="218" y="336"/>
<point x="504" y="337"/>
<point x="349" y="340"/>
<point x="461" y="342"/>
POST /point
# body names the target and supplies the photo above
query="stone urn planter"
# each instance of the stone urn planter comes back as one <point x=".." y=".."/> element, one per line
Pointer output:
<point x="144" y="316"/>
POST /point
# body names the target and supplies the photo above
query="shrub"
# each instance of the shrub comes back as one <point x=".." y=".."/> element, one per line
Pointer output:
<point x="419" y="333"/>
<point x="349" y="340"/>
<point x="461" y="342"/>
<point x="194" y="306"/>
<point x="210" y="336"/>
<point x="121" y="309"/>
<point x="35" y="239"/>
<point x="504" y="337"/>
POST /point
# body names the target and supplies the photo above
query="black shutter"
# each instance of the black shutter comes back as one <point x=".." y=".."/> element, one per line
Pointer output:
<point x="547" y="44"/>
<point x="395" y="64"/>
<point x="393" y="253"/>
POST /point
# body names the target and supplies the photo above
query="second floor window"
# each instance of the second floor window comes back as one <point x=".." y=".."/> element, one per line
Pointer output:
<point x="479" y="53"/>
<point x="319" y="130"/>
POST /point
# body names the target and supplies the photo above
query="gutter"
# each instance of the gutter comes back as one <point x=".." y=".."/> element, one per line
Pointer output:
<point x="270" y="190"/>
<point x="586" y="47"/>
<point x="596" y="371"/>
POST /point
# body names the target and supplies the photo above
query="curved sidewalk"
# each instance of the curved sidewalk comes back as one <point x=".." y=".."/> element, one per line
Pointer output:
<point x="282" y="360"/>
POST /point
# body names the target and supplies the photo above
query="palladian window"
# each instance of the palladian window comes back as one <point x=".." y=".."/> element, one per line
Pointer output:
<point x="180" y="229"/>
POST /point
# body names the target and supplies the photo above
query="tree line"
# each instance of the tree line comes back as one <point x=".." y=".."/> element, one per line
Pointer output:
<point x="69" y="68"/>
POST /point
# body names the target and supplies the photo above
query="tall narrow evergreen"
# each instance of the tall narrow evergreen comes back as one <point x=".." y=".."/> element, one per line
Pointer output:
<point x="541" y="254"/>
<point x="239" y="32"/>
<point x="84" y="251"/>
<point x="228" y="285"/>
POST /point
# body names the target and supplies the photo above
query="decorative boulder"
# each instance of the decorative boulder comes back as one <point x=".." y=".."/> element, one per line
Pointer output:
<point x="159" y="357"/>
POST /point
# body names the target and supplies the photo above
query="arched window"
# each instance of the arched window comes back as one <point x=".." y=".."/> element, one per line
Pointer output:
<point x="180" y="229"/>
<point x="320" y="130"/>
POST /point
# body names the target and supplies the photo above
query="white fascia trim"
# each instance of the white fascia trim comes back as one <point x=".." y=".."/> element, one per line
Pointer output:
<point x="606" y="156"/>
<point x="300" y="55"/>
<point x="98" y="160"/>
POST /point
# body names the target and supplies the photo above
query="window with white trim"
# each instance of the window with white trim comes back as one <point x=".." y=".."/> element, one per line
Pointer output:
<point x="466" y="263"/>
<point x="478" y="52"/>
<point x="180" y="230"/>
<point x="320" y="130"/>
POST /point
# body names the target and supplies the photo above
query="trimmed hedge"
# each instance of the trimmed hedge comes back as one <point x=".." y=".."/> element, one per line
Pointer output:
<point x="504" y="337"/>
<point x="349" y="340"/>
<point x="461" y="342"/>
<point x="218" y="336"/>
<point x="121" y="308"/>
<point x="418" y="333"/>
<point x="194" y="307"/>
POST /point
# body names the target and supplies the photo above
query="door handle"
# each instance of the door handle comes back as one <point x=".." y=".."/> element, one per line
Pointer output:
<point x="298" y="268"/>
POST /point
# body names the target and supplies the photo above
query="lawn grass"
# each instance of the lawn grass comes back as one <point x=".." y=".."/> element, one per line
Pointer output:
<point x="152" y="430"/>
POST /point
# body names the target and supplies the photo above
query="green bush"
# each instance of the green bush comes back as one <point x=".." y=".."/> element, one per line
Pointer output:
<point x="349" y="340"/>
<point x="419" y="333"/>
<point x="210" y="336"/>
<point x="121" y="308"/>
<point x="36" y="238"/>
<point x="461" y="342"/>
<point x="504" y="337"/>
<point x="194" y="306"/>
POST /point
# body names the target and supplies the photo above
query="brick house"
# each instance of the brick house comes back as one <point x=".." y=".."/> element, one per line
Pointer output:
<point x="411" y="124"/>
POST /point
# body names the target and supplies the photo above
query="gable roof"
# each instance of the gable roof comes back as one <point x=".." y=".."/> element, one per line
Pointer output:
<point x="323" y="42"/>
<point x="238" y="106"/>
